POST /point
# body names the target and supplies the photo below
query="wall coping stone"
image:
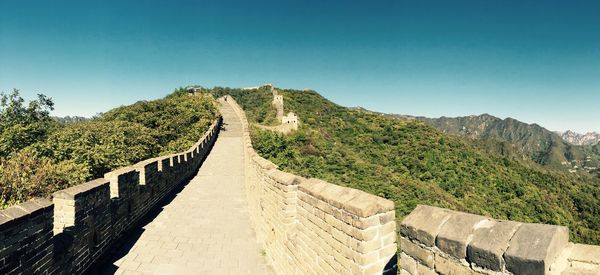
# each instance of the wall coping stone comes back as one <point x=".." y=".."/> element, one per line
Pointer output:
<point x="283" y="177"/>
<point x="534" y="247"/>
<point x="424" y="223"/>
<point x="119" y="172"/>
<point x="455" y="234"/>
<point x="585" y="253"/>
<point x="488" y="246"/>
<point x="354" y="201"/>
<point x="23" y="211"/>
<point x="493" y="246"/>
<point x="263" y="163"/>
<point x="82" y="189"/>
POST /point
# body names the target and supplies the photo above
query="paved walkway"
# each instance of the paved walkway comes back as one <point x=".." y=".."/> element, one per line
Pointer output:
<point x="206" y="228"/>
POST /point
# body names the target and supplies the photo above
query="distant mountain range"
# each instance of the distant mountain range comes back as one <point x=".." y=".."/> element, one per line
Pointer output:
<point x="520" y="140"/>
<point x="591" y="138"/>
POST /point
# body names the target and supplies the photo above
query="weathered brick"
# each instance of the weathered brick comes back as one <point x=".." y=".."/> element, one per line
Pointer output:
<point x="534" y="247"/>
<point x="585" y="254"/>
<point x="424" y="223"/>
<point x="444" y="265"/>
<point x="489" y="244"/>
<point x="408" y="263"/>
<point x="422" y="254"/>
<point x="424" y="270"/>
<point x="455" y="234"/>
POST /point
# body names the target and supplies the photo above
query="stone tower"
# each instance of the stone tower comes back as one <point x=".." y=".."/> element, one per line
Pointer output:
<point x="278" y="103"/>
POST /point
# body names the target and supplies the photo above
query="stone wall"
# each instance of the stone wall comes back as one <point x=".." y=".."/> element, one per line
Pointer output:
<point x="308" y="226"/>
<point x="74" y="230"/>
<point x="436" y="240"/>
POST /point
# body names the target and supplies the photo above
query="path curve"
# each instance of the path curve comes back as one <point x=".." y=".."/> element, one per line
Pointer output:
<point x="205" y="229"/>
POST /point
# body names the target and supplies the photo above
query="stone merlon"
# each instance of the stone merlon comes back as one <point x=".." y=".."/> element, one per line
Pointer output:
<point x="472" y="244"/>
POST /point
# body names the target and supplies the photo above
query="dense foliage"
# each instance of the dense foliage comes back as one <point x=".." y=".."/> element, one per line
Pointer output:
<point x="530" y="141"/>
<point x="412" y="163"/>
<point x="40" y="155"/>
<point x="20" y="125"/>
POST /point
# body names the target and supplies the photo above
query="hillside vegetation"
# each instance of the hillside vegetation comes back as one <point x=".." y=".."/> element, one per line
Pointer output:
<point x="412" y="163"/>
<point x="39" y="155"/>
<point x="528" y="141"/>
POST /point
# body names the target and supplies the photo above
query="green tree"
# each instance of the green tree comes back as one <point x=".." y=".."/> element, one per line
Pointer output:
<point x="39" y="156"/>
<point x="23" y="124"/>
<point x="25" y="176"/>
<point x="101" y="146"/>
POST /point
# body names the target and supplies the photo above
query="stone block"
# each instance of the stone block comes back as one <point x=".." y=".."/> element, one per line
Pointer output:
<point x="580" y="271"/>
<point x="424" y="270"/>
<point x="534" y="247"/>
<point x="420" y="253"/>
<point x="375" y="268"/>
<point x="444" y="265"/>
<point x="455" y="234"/>
<point x="353" y="201"/>
<point x="365" y="205"/>
<point x="408" y="263"/>
<point x="585" y="254"/>
<point x="388" y="251"/>
<point x="364" y="223"/>
<point x="488" y="245"/>
<point x="35" y="205"/>
<point x="387" y="217"/>
<point x="387" y="228"/>
<point x="424" y="223"/>
<point x="14" y="212"/>
<point x="82" y="189"/>
<point x="283" y="177"/>
<point x="263" y="163"/>
<point x="388" y="239"/>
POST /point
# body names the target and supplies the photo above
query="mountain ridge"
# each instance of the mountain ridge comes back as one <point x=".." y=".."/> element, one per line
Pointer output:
<point x="575" y="138"/>
<point x="513" y="138"/>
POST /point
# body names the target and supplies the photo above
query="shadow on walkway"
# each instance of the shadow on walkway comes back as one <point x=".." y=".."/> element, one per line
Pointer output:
<point x="123" y="245"/>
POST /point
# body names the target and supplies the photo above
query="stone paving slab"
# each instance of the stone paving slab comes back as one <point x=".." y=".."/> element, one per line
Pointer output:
<point x="205" y="229"/>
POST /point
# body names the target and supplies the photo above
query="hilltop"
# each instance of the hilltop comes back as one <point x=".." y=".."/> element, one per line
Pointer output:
<point x="411" y="162"/>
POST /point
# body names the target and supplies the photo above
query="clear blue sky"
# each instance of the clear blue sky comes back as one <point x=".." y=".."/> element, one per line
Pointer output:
<point x="536" y="61"/>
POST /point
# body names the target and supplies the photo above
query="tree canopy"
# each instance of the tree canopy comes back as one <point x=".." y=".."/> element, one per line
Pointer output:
<point x="39" y="155"/>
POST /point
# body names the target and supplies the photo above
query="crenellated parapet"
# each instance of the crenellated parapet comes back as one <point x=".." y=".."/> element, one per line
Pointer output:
<point x="436" y="240"/>
<point x="78" y="227"/>
<point x="309" y="226"/>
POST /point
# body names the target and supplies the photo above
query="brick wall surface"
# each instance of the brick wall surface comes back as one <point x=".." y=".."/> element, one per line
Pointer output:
<point x="309" y="226"/>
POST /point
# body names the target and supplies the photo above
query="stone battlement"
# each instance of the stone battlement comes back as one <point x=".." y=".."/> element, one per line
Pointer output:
<point x="309" y="226"/>
<point x="450" y="242"/>
<point x="78" y="227"/>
